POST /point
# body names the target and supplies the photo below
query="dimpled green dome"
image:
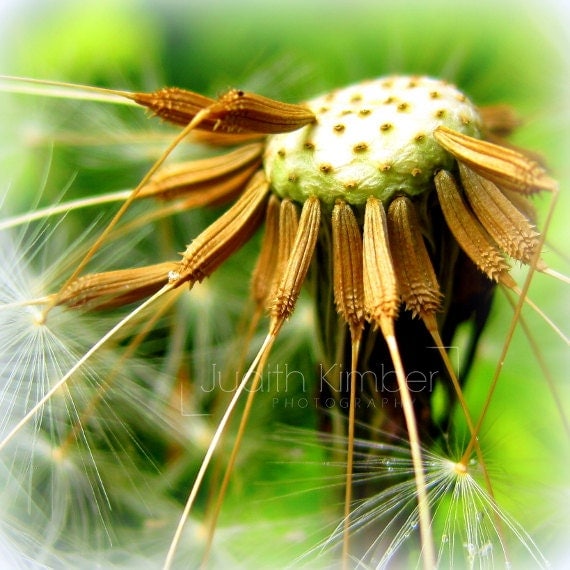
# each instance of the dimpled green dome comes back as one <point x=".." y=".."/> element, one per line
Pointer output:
<point x="372" y="138"/>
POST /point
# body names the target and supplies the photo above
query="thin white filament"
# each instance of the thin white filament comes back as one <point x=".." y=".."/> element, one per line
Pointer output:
<point x="267" y="343"/>
<point x="63" y="90"/>
<point x="63" y="208"/>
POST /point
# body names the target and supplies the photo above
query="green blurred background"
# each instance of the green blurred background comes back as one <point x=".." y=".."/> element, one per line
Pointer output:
<point x="511" y="51"/>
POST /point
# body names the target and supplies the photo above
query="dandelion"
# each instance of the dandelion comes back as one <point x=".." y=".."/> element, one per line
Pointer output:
<point x="397" y="200"/>
<point x="472" y="530"/>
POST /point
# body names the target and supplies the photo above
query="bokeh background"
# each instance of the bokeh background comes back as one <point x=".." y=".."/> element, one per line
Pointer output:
<point x="512" y="52"/>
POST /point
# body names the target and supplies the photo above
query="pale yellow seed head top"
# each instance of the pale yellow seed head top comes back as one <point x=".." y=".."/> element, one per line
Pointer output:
<point x="372" y="138"/>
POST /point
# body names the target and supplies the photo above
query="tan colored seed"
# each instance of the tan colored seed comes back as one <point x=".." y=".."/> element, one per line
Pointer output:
<point x="499" y="120"/>
<point x="234" y="112"/>
<point x="503" y="166"/>
<point x="208" y="179"/>
<point x="347" y="267"/>
<point x="381" y="300"/>
<point x="417" y="282"/>
<point x="298" y="263"/>
<point x="288" y="225"/>
<point x="468" y="232"/>
<point x="116" y="288"/>
<point x="266" y="264"/>
<point x="226" y="235"/>
<point x="508" y="227"/>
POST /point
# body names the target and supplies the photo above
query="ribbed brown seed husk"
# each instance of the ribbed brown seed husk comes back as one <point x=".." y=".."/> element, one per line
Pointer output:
<point x="236" y="112"/>
<point x="214" y="177"/>
<point x="175" y="105"/>
<point x="381" y="300"/>
<point x="508" y="227"/>
<point x="347" y="267"/>
<point x="500" y="120"/>
<point x="226" y="235"/>
<point x="417" y="281"/>
<point x="522" y="204"/>
<point x="299" y="261"/>
<point x="264" y="270"/>
<point x="468" y="232"/>
<point x="504" y="166"/>
<point x="116" y="288"/>
<point x="288" y="225"/>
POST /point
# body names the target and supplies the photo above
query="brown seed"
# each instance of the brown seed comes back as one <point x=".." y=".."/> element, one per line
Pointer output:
<point x="417" y="282"/>
<point x="499" y="120"/>
<point x="288" y="225"/>
<point x="503" y="166"/>
<point x="234" y="112"/>
<point x="226" y="235"/>
<point x="175" y="105"/>
<point x="116" y="288"/>
<point x="266" y="264"/>
<point x="208" y="179"/>
<point x="381" y="300"/>
<point x="508" y="227"/>
<point x="298" y="263"/>
<point x="468" y="232"/>
<point x="347" y="267"/>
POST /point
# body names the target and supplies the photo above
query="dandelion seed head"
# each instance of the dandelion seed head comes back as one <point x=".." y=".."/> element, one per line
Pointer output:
<point x="362" y="128"/>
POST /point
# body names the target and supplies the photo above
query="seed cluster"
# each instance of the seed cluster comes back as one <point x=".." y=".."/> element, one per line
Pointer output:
<point x="373" y="138"/>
